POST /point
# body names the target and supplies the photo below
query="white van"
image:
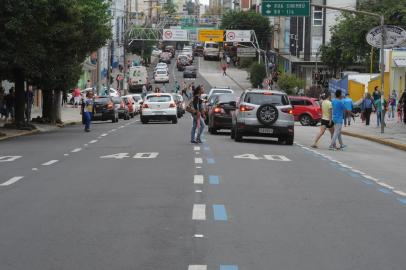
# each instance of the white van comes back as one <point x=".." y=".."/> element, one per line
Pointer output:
<point x="211" y="50"/>
<point x="137" y="77"/>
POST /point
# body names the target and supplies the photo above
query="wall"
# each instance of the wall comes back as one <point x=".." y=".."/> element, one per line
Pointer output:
<point x="356" y="90"/>
<point x="377" y="82"/>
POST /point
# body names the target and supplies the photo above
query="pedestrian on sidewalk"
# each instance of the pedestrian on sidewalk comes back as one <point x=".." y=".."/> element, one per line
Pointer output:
<point x="326" y="119"/>
<point x="338" y="111"/>
<point x="367" y="105"/>
<point x="9" y="101"/>
<point x="402" y="103"/>
<point x="228" y="60"/>
<point x="376" y="94"/>
<point x="380" y="112"/>
<point x="400" y="113"/>
<point x="198" y="122"/>
<point x="76" y="96"/>
<point x="348" y="107"/>
<point x="392" y="105"/>
<point x="88" y="109"/>
<point x="224" y="67"/>
<point x="64" y="98"/>
<point x="29" y="102"/>
<point x="2" y="96"/>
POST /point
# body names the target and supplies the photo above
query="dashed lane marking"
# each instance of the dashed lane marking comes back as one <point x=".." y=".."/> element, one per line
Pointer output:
<point x="9" y="158"/>
<point x="198" y="236"/>
<point x="198" y="160"/>
<point x="199" y="212"/>
<point x="50" y="162"/>
<point x="198" y="191"/>
<point x="76" y="150"/>
<point x="66" y="155"/>
<point x="198" y="167"/>
<point x="197" y="267"/>
<point x="198" y="179"/>
<point x="401" y="193"/>
<point x="196" y="148"/>
<point x="12" y="180"/>
<point x="384" y="185"/>
<point x="34" y="169"/>
<point x="93" y="141"/>
<point x="104" y="135"/>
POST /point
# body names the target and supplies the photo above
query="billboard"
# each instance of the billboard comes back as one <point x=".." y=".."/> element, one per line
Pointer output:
<point x="174" y="35"/>
<point x="211" y="35"/>
<point x="238" y="35"/>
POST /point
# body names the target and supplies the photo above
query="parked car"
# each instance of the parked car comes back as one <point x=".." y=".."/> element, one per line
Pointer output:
<point x="220" y="90"/>
<point x="189" y="72"/>
<point x="171" y="49"/>
<point x="121" y="108"/>
<point x="161" y="76"/>
<point x="159" y="106"/>
<point x="180" y="105"/>
<point x="182" y="62"/>
<point x="220" y="113"/>
<point x="129" y="103"/>
<point x="264" y="113"/>
<point x="165" y="57"/>
<point x="306" y="110"/>
<point x="104" y="109"/>
<point x="161" y="66"/>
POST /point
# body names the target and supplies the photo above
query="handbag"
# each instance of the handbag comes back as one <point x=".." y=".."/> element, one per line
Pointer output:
<point x="189" y="108"/>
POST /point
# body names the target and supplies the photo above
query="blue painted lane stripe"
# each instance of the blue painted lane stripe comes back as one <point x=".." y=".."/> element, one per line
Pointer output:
<point x="385" y="190"/>
<point x="402" y="201"/>
<point x="206" y="148"/>
<point x="219" y="212"/>
<point x="228" y="267"/>
<point x="214" y="180"/>
<point x="210" y="161"/>
<point x="355" y="175"/>
<point x="367" y="182"/>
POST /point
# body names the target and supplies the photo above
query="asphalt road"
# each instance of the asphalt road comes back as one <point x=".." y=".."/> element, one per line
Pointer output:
<point x="133" y="196"/>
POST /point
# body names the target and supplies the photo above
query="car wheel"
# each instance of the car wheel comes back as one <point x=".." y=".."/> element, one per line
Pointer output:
<point x="132" y="115"/>
<point x="305" y="120"/>
<point x="175" y="120"/>
<point x="213" y="131"/>
<point x="289" y="140"/>
<point x="267" y="114"/>
<point x="113" y="120"/>
<point x="144" y="120"/>
<point x="237" y="135"/>
<point x="314" y="123"/>
<point x="232" y="134"/>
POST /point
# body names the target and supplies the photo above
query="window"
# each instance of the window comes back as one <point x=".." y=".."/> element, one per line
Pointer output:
<point x="308" y="103"/>
<point x="159" y="98"/>
<point x="260" y="99"/>
<point x="318" y="16"/>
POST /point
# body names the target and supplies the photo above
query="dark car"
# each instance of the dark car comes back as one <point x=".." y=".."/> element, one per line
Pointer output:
<point x="198" y="49"/>
<point x="220" y="114"/>
<point x="104" y="109"/>
<point x="165" y="57"/>
<point x="171" y="49"/>
<point x="189" y="72"/>
<point x="182" y="62"/>
<point x="208" y="105"/>
<point x="121" y="108"/>
<point x="179" y="105"/>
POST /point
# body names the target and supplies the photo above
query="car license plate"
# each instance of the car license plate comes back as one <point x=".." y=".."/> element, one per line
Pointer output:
<point x="98" y="114"/>
<point x="266" y="130"/>
<point x="158" y="112"/>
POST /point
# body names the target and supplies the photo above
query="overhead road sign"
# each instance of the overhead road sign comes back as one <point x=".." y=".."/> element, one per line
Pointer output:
<point x="211" y="35"/>
<point x="394" y="36"/>
<point x="286" y="8"/>
<point x="238" y="35"/>
<point x="174" y="35"/>
<point x="246" y="52"/>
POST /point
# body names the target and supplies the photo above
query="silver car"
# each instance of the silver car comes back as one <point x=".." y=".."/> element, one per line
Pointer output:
<point x="263" y="113"/>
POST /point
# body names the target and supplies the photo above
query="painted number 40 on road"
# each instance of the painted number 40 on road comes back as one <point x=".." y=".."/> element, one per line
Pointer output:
<point x="148" y="155"/>
<point x="267" y="157"/>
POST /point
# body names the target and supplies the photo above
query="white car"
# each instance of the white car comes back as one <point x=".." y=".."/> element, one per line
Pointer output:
<point x="159" y="106"/>
<point x="161" y="65"/>
<point x="113" y="92"/>
<point x="156" y="52"/>
<point x="138" y="101"/>
<point x="220" y="90"/>
<point x="161" y="76"/>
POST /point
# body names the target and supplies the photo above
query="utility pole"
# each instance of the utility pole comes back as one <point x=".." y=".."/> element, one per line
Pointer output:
<point x="125" y="44"/>
<point x="383" y="39"/>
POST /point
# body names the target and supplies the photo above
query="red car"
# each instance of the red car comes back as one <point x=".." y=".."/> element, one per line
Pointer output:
<point x="306" y="110"/>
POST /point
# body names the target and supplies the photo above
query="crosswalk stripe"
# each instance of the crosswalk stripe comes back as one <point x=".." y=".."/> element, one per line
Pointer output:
<point x="199" y="212"/>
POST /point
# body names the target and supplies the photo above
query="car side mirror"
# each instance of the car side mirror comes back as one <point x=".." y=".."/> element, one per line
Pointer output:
<point x="293" y="106"/>
<point x="233" y="103"/>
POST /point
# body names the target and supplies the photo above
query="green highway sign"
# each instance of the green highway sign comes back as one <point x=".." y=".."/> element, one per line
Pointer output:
<point x="286" y="8"/>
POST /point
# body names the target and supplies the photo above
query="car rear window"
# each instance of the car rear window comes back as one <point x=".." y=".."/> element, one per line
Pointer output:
<point x="136" y="98"/>
<point x="261" y="98"/>
<point x="226" y="98"/>
<point x="212" y="45"/>
<point x="164" y="98"/>
<point x="190" y="68"/>
<point x="101" y="100"/>
<point x="161" y="72"/>
<point x="116" y="100"/>
<point x="225" y="91"/>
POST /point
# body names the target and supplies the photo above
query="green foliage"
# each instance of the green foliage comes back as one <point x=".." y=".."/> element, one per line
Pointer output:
<point x="289" y="83"/>
<point x="190" y="7"/>
<point x="348" y="45"/>
<point x="248" y="20"/>
<point x="246" y="62"/>
<point x="170" y="7"/>
<point x="257" y="74"/>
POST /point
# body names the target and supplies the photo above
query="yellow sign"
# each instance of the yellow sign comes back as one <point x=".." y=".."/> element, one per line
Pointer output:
<point x="211" y="35"/>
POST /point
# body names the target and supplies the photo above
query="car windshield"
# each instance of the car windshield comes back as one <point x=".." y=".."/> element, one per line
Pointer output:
<point x="220" y="91"/>
<point x="190" y="68"/>
<point x="161" y="72"/>
<point x="265" y="98"/>
<point x="226" y="98"/>
<point x="116" y="100"/>
<point x="212" y="45"/>
<point x="164" y="98"/>
<point x="136" y="98"/>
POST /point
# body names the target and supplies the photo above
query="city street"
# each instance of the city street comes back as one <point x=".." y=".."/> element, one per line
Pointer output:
<point x="133" y="196"/>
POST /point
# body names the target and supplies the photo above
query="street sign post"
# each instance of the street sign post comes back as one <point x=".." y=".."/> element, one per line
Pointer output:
<point x="394" y="36"/>
<point x="174" y="35"/>
<point x="238" y="35"/>
<point x="286" y="8"/>
<point x="211" y="35"/>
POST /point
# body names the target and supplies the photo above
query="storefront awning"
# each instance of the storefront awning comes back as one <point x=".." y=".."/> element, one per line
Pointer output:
<point x="400" y="62"/>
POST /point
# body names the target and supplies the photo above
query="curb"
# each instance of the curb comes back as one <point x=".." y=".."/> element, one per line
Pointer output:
<point x="399" y="146"/>
<point x="19" y="135"/>
<point x="237" y="83"/>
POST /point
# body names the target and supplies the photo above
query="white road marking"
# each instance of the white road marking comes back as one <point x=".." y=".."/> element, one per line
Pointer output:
<point x="66" y="155"/>
<point x="197" y="153"/>
<point x="117" y="156"/>
<point x="198" y="167"/>
<point x="198" y="160"/>
<point x="113" y="130"/>
<point x="401" y="193"/>
<point x="198" y="179"/>
<point x="199" y="212"/>
<point x="76" y="150"/>
<point x="12" y="180"/>
<point x="197" y="267"/>
<point x="104" y="135"/>
<point x="382" y="184"/>
<point x="9" y="158"/>
<point x="49" y="162"/>
<point x="122" y="126"/>
<point x="196" y="148"/>
<point x="93" y="141"/>
<point x="198" y="191"/>
<point x="146" y="155"/>
<point x="85" y="144"/>
<point x="371" y="178"/>
<point x="198" y="235"/>
<point x="34" y="169"/>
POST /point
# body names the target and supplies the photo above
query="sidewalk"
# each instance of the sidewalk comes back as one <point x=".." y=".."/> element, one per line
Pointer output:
<point x="70" y="116"/>
<point x="395" y="133"/>
<point x="240" y="77"/>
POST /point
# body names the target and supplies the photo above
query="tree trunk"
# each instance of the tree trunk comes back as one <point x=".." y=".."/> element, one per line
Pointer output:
<point x="56" y="108"/>
<point x="19" y="101"/>
<point x="46" y="105"/>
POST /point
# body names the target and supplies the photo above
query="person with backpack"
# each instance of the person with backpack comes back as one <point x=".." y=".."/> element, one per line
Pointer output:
<point x="367" y="105"/>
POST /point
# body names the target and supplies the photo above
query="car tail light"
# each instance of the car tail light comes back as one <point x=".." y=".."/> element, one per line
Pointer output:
<point x="289" y="111"/>
<point x="122" y="106"/>
<point x="110" y="106"/>
<point x="246" y="108"/>
<point x="145" y="106"/>
<point x="218" y="110"/>
<point x="172" y="105"/>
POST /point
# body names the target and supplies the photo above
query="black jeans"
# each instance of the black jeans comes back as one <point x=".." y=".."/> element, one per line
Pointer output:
<point x="368" y="112"/>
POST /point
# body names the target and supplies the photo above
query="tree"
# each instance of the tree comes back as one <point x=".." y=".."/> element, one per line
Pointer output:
<point x="248" y="20"/>
<point x="348" y="45"/>
<point x="289" y="83"/>
<point x="190" y="7"/>
<point x="170" y="7"/>
<point x="257" y="74"/>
